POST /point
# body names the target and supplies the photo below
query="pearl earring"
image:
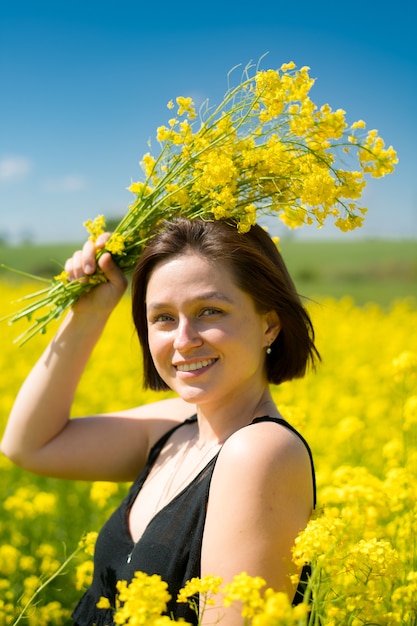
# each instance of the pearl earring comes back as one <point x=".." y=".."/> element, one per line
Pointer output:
<point x="269" y="350"/>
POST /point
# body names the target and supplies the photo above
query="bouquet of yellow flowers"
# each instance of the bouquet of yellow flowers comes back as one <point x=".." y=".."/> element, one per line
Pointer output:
<point x="267" y="149"/>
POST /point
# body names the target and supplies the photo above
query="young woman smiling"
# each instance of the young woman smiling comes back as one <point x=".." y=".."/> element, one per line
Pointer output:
<point x="221" y="482"/>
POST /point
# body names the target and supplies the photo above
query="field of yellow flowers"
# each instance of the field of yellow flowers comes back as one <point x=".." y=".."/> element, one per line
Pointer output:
<point x="359" y="414"/>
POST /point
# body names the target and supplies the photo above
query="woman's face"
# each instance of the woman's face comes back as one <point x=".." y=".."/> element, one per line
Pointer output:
<point x="205" y="336"/>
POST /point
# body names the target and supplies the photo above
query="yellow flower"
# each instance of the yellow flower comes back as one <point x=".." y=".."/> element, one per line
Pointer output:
<point x="186" y="105"/>
<point x="84" y="575"/>
<point x="247" y="219"/>
<point x="285" y="67"/>
<point x="63" y="277"/>
<point x="103" y="603"/>
<point x="373" y="558"/>
<point x="44" y="503"/>
<point x="293" y="218"/>
<point x="28" y="503"/>
<point x="30" y="584"/>
<point x="142" y="600"/>
<point x="27" y="563"/>
<point x="351" y="222"/>
<point x="116" y="244"/>
<point x="101" y="491"/>
<point x="177" y="196"/>
<point x="9" y="559"/>
<point x="95" y="227"/>
<point x="88" y="542"/>
<point x="162" y="134"/>
<point x="277" y="611"/>
<point x="245" y="589"/>
<point x="140" y="189"/>
<point x="148" y="163"/>
<point x="207" y="585"/>
<point x="321" y="536"/>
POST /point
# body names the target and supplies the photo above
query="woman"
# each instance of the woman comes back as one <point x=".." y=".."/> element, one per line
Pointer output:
<point x="222" y="484"/>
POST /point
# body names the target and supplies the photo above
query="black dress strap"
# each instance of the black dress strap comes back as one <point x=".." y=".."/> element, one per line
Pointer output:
<point x="157" y="447"/>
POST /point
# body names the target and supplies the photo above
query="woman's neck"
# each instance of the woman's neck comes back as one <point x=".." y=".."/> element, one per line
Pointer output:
<point x="217" y="424"/>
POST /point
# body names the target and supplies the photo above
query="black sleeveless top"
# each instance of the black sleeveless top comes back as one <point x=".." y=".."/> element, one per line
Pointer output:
<point x="170" y="545"/>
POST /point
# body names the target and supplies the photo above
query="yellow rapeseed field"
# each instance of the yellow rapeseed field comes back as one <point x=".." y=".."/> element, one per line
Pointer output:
<point x="359" y="414"/>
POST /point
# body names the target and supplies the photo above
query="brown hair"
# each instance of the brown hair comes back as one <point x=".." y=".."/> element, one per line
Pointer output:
<point x="258" y="269"/>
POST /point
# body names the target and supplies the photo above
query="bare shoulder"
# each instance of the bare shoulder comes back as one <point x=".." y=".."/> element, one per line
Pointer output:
<point x="268" y="455"/>
<point x="267" y="442"/>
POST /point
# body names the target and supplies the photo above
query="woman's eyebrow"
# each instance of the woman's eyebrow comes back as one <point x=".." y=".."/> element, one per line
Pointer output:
<point x="202" y="297"/>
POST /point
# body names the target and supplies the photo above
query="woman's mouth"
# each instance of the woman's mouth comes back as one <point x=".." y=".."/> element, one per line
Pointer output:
<point x="196" y="365"/>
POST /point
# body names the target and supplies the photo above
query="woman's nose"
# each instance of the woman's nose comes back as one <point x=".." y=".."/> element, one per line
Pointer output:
<point x="187" y="335"/>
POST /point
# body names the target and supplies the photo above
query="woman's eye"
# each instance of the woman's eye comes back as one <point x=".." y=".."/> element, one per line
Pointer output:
<point x="163" y="317"/>
<point x="210" y="311"/>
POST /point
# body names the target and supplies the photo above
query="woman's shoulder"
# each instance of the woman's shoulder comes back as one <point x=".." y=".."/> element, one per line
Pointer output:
<point x="268" y="449"/>
<point x="263" y="469"/>
<point x="267" y="435"/>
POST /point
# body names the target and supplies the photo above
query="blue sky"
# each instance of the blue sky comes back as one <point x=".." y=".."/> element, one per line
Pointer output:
<point x="84" y="85"/>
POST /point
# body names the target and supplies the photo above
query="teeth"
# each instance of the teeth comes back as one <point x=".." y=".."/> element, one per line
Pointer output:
<point x="190" y="367"/>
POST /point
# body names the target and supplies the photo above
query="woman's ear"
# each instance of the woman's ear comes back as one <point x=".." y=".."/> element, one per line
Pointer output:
<point x="273" y="327"/>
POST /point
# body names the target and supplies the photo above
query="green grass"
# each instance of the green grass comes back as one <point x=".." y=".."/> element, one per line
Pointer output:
<point x="40" y="260"/>
<point x="367" y="270"/>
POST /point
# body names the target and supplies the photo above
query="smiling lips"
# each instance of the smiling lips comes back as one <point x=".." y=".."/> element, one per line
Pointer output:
<point x="197" y="365"/>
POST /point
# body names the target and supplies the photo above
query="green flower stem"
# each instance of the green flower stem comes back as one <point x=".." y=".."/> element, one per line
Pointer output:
<point x="45" y="584"/>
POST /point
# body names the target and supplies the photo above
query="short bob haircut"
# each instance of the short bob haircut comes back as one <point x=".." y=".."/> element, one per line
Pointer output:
<point x="258" y="270"/>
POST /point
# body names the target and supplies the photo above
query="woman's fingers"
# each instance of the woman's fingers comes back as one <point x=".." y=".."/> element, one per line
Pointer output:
<point x="102" y="240"/>
<point x="112" y="272"/>
<point x="88" y="259"/>
<point x="83" y="262"/>
<point x="74" y="265"/>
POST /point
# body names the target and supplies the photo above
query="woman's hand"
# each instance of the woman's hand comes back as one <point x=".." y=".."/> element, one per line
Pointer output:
<point x="83" y="263"/>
